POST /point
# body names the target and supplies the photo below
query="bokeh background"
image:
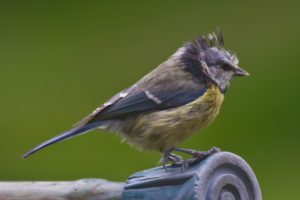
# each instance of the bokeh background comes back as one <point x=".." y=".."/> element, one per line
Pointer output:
<point x="61" y="59"/>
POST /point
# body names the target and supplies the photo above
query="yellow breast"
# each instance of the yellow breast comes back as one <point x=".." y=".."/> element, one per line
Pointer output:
<point x="161" y="130"/>
<point x="206" y="108"/>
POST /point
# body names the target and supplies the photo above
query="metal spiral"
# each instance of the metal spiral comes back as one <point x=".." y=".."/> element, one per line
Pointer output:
<point x="227" y="187"/>
<point x="228" y="177"/>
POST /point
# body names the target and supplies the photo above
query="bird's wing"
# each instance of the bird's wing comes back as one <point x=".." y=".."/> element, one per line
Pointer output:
<point x="109" y="102"/>
<point x="143" y="100"/>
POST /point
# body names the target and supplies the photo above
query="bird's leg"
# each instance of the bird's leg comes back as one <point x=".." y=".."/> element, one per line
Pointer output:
<point x="168" y="156"/>
<point x="196" y="154"/>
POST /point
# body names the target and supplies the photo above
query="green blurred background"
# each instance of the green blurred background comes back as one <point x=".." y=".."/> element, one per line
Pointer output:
<point x="60" y="60"/>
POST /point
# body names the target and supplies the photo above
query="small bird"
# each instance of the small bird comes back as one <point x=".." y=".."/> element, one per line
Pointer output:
<point x="169" y="104"/>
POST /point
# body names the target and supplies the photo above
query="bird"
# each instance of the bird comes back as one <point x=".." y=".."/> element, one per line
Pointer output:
<point x="168" y="105"/>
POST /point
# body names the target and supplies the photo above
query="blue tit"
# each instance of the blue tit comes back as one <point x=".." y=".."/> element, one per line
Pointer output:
<point x="169" y="104"/>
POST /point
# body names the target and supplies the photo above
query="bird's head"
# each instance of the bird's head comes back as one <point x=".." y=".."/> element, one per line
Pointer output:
<point x="207" y="60"/>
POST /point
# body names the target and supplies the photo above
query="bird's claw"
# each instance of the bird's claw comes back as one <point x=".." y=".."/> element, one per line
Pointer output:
<point x="168" y="156"/>
<point x="185" y="164"/>
<point x="196" y="154"/>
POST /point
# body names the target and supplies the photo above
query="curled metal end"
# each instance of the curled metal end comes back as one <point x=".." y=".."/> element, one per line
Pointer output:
<point x="228" y="176"/>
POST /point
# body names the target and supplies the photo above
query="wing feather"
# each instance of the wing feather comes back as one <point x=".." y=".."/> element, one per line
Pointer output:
<point x="145" y="100"/>
<point x="109" y="102"/>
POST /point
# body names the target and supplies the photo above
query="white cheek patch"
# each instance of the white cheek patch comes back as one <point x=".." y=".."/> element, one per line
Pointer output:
<point x="205" y="67"/>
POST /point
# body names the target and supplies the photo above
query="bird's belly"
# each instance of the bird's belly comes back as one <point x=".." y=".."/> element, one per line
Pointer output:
<point x="161" y="130"/>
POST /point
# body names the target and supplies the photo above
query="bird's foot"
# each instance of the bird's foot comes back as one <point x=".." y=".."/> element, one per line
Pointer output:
<point x="168" y="156"/>
<point x="185" y="164"/>
<point x="196" y="154"/>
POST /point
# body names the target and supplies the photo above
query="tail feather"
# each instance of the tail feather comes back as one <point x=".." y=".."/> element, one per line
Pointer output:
<point x="65" y="135"/>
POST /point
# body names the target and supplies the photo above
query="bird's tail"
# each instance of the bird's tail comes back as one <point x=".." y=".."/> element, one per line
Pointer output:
<point x="65" y="135"/>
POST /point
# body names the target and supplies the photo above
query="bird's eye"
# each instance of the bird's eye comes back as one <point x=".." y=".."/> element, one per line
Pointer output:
<point x="226" y="67"/>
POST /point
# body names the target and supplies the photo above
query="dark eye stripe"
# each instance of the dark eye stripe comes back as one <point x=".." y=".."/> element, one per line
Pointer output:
<point x="226" y="67"/>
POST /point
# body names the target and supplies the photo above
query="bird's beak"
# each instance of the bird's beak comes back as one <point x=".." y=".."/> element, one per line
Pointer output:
<point x="240" y="72"/>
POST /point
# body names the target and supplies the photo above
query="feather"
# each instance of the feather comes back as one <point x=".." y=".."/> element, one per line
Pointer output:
<point x="140" y="101"/>
<point x="109" y="102"/>
<point x="65" y="135"/>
